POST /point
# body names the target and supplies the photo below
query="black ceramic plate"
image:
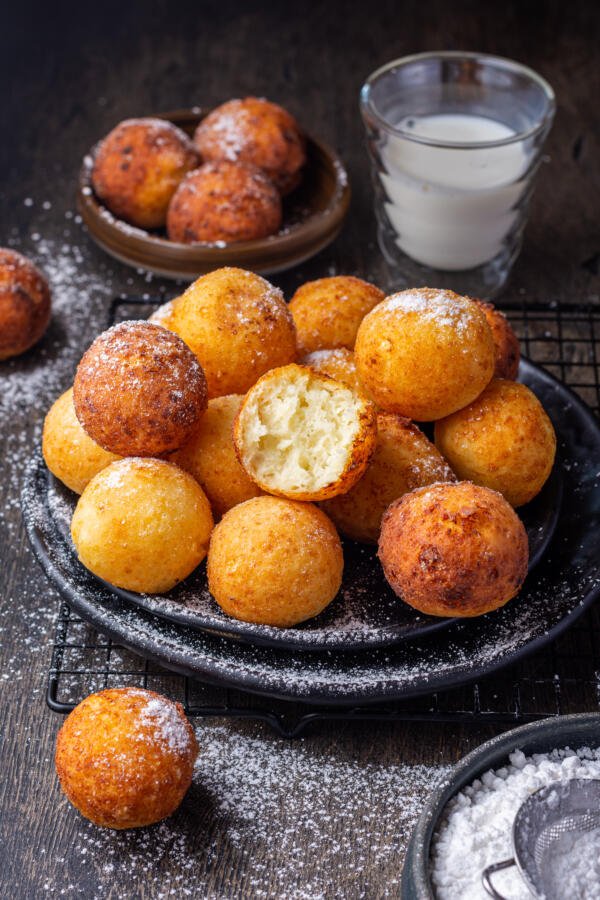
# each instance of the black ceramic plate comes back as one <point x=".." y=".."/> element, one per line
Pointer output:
<point x="366" y="612"/>
<point x="554" y="595"/>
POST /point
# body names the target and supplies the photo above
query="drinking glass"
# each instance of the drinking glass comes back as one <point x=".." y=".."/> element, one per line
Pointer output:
<point x="455" y="141"/>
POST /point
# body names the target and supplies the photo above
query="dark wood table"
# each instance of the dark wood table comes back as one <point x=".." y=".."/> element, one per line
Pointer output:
<point x="327" y="815"/>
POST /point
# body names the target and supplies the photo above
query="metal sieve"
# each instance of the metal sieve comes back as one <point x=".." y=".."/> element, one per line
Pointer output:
<point x="561" y="808"/>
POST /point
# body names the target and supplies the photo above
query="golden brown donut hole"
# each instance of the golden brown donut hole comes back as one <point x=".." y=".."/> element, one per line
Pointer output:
<point x="142" y="525"/>
<point x="403" y="460"/>
<point x="327" y="312"/>
<point x="125" y="757"/>
<point x="69" y="452"/>
<point x="162" y="315"/>
<point x="137" y="168"/>
<point x="139" y="390"/>
<point x="224" y="201"/>
<point x="210" y="457"/>
<point x="304" y="436"/>
<point x="274" y="561"/>
<point x="424" y="353"/>
<point x="24" y="304"/>
<point x="257" y="132"/>
<point x="238" y="325"/>
<point x="453" y="549"/>
<point x="506" y="343"/>
<point x="503" y="440"/>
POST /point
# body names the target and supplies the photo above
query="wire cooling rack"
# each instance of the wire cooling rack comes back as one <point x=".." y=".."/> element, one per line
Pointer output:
<point x="562" y="678"/>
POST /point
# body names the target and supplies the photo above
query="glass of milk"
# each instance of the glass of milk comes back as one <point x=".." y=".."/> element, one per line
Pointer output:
<point x="455" y="141"/>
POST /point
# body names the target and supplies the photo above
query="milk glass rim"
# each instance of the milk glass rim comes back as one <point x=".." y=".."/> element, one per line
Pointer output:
<point x="369" y="111"/>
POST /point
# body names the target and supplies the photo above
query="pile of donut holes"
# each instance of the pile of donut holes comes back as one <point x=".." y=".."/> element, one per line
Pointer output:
<point x="223" y="185"/>
<point x="157" y="433"/>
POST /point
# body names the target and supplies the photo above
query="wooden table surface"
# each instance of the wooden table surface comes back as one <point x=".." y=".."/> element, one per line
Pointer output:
<point x="329" y="815"/>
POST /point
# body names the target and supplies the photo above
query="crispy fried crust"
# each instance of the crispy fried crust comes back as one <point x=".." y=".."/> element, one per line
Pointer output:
<point x="224" y="201"/>
<point x="238" y="325"/>
<point x="404" y="460"/>
<point x="24" y="304"/>
<point x="125" y="757"/>
<point x="139" y="391"/>
<point x="69" y="452"/>
<point x="453" y="550"/>
<point x="259" y="447"/>
<point x="275" y="562"/>
<point x="142" y="525"/>
<point x="138" y="166"/>
<point x="327" y="312"/>
<point x="503" y="440"/>
<point x="506" y="342"/>
<point x="424" y="353"/>
<point x="210" y="457"/>
<point x="257" y="132"/>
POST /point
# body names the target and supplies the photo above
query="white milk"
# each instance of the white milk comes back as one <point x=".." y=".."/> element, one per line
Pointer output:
<point x="452" y="208"/>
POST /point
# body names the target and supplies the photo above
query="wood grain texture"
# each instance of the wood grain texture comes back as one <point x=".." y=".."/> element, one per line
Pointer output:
<point x="73" y="73"/>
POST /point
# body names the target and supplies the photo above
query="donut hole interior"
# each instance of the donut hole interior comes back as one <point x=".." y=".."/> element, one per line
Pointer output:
<point x="298" y="432"/>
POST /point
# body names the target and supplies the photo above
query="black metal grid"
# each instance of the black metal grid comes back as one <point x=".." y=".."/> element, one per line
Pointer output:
<point x="562" y="678"/>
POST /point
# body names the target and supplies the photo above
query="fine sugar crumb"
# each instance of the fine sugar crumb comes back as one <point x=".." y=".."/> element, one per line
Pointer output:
<point x="477" y="825"/>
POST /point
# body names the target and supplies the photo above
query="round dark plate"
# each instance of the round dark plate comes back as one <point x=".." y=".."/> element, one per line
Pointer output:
<point x="312" y="217"/>
<point x="554" y="595"/>
<point x="366" y="612"/>
<point x="582" y="730"/>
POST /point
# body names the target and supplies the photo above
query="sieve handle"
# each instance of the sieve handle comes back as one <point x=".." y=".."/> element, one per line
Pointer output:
<point x="486" y="876"/>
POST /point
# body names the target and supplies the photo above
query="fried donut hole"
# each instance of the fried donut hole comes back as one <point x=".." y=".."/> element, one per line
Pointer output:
<point x="138" y="167"/>
<point x="404" y="460"/>
<point x="274" y="562"/>
<point x="24" y="304"/>
<point x="337" y="364"/>
<point x="328" y="312"/>
<point x="504" y="440"/>
<point x="142" y="525"/>
<point x="303" y="435"/>
<point x="70" y="454"/>
<point x="239" y="327"/>
<point x="139" y="391"/>
<point x="224" y="201"/>
<point x="210" y="457"/>
<point x="453" y="549"/>
<point x="424" y="353"/>
<point x="257" y="132"/>
<point x="125" y="757"/>
<point x="506" y="343"/>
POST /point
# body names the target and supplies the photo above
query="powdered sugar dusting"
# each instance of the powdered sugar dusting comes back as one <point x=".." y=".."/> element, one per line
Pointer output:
<point x="446" y="309"/>
<point x="163" y="720"/>
<point x="277" y="806"/>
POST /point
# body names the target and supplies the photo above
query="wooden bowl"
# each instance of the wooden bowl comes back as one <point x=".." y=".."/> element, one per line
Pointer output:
<point x="312" y="217"/>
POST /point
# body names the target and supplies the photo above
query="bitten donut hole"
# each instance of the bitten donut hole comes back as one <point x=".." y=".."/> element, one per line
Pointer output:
<point x="297" y="431"/>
